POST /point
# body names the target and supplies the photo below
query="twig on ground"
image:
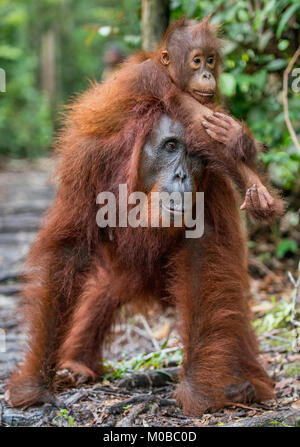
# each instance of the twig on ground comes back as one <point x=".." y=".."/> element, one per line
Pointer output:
<point x="140" y="332"/>
<point x="295" y="300"/>
<point x="119" y="407"/>
<point x="129" y="419"/>
<point x="276" y="337"/>
<point x="160" y="351"/>
<point x="159" y="377"/>
<point x="149" y="332"/>
<point x="282" y="347"/>
<point x="108" y="390"/>
<point x="76" y="397"/>
<point x="246" y="407"/>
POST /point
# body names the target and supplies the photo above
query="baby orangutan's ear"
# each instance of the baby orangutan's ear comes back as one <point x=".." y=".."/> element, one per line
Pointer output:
<point x="165" y="59"/>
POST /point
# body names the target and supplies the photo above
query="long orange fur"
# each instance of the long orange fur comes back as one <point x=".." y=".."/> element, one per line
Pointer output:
<point x="79" y="275"/>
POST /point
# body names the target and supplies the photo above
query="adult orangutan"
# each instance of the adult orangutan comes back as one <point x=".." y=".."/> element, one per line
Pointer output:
<point x="190" y="55"/>
<point x="133" y="130"/>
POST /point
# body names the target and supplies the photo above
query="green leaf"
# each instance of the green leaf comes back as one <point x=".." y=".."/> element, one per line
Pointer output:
<point x="276" y="64"/>
<point x="164" y="345"/>
<point x="227" y="84"/>
<point x="126" y="407"/>
<point x="260" y="78"/>
<point x="243" y="15"/>
<point x="190" y="7"/>
<point x="285" y="246"/>
<point x="9" y="52"/>
<point x="278" y="317"/>
<point x="244" y="82"/>
<point x="283" y="44"/>
<point x="286" y="17"/>
<point x="264" y="39"/>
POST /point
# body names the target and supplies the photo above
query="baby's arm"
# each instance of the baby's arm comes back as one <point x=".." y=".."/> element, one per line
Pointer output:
<point x="235" y="135"/>
<point x="241" y="146"/>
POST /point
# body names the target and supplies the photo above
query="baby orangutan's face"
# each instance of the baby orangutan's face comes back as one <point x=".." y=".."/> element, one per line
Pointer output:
<point x="196" y="71"/>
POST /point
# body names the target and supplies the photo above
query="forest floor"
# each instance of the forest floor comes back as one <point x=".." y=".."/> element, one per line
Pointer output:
<point x="144" y="357"/>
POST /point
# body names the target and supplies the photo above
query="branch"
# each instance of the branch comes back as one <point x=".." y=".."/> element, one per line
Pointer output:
<point x="285" y="98"/>
<point x="295" y="300"/>
<point x="149" y="332"/>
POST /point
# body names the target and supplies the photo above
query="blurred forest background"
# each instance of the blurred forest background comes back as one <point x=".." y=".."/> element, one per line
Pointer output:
<point x="50" y="50"/>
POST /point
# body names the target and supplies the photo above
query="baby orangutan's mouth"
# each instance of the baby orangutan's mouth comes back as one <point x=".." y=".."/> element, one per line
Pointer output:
<point x="204" y="94"/>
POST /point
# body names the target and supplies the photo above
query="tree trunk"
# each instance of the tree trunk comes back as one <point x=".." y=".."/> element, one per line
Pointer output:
<point x="155" y="20"/>
<point x="49" y="66"/>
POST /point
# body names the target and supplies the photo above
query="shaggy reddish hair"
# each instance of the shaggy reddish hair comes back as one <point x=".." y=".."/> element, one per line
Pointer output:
<point x="80" y="275"/>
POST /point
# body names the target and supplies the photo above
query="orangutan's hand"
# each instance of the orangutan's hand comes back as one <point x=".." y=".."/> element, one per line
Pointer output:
<point x="222" y="127"/>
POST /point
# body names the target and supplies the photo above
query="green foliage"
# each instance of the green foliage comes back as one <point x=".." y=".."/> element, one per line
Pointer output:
<point x="286" y="246"/>
<point x="280" y="424"/>
<point x="258" y="44"/>
<point x="227" y="84"/>
<point x="292" y="370"/>
<point x="141" y="362"/>
<point x="276" y="329"/>
<point x="126" y="407"/>
<point x="63" y="414"/>
<point x="27" y="120"/>
<point x="283" y="166"/>
<point x="276" y="318"/>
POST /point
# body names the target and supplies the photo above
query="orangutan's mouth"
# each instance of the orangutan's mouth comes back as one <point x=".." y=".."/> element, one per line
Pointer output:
<point x="173" y="209"/>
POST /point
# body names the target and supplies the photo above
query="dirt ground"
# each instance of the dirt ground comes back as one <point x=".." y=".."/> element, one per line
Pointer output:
<point x="144" y="398"/>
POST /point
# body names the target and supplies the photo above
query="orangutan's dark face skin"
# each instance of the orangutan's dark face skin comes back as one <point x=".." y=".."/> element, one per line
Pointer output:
<point x="166" y="165"/>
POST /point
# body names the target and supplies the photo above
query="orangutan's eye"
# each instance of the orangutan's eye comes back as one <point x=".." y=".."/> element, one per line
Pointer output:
<point x="210" y="60"/>
<point x="197" y="60"/>
<point x="170" y="146"/>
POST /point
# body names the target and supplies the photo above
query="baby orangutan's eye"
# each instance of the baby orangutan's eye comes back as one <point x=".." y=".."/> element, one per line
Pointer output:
<point x="210" y="60"/>
<point x="197" y="60"/>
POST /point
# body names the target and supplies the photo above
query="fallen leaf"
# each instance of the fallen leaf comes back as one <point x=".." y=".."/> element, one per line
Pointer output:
<point x="262" y="307"/>
<point x="296" y="404"/>
<point x="162" y="332"/>
<point x="294" y="358"/>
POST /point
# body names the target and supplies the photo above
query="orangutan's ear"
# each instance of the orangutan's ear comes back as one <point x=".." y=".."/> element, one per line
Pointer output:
<point x="165" y="60"/>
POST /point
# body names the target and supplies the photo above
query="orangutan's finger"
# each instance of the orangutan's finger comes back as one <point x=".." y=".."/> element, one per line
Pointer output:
<point x="255" y="197"/>
<point x="216" y="136"/>
<point x="218" y="121"/>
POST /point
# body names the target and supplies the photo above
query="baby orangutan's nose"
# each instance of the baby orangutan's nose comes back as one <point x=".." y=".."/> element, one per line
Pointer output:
<point x="207" y="76"/>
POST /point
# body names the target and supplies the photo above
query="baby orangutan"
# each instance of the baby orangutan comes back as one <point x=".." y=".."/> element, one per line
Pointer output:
<point x="190" y="52"/>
